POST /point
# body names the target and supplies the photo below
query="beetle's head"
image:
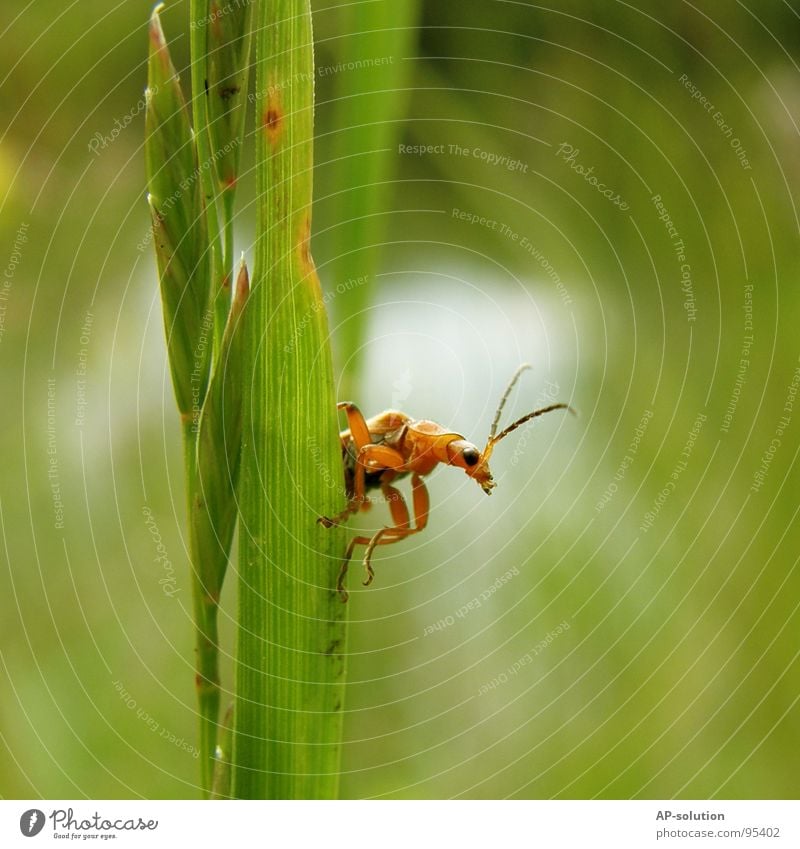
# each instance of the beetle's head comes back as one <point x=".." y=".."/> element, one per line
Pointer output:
<point x="468" y="457"/>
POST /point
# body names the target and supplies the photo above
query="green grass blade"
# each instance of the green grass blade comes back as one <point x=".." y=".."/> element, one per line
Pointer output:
<point x="210" y="412"/>
<point x="218" y="450"/>
<point x="228" y="36"/>
<point x="199" y="19"/>
<point x="212" y="464"/>
<point x="290" y="666"/>
<point x="226" y="92"/>
<point x="179" y="230"/>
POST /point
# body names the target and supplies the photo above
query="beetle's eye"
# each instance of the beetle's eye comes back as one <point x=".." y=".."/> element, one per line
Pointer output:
<point x="471" y="456"/>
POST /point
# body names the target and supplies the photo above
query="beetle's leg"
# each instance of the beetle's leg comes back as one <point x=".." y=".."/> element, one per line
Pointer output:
<point x="353" y="505"/>
<point x="360" y="434"/>
<point x="346" y="562"/>
<point x="369" y="457"/>
<point x="399" y="513"/>
<point x="380" y="457"/>
<point x="357" y="424"/>
<point x="422" y="502"/>
<point x="377" y="457"/>
<point x="402" y="521"/>
<point x="402" y="528"/>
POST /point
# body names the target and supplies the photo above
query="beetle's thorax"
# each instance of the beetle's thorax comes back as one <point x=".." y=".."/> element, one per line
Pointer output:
<point x="424" y="444"/>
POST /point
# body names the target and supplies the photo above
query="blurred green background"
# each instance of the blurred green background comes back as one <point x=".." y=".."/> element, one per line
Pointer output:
<point x="635" y="629"/>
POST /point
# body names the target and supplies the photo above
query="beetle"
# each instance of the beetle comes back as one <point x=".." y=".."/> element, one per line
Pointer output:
<point x="378" y="451"/>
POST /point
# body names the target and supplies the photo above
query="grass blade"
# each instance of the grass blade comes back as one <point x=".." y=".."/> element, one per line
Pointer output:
<point x="181" y="239"/>
<point x="210" y="413"/>
<point x="228" y="38"/>
<point x="290" y="665"/>
<point x="226" y="90"/>
<point x="218" y="450"/>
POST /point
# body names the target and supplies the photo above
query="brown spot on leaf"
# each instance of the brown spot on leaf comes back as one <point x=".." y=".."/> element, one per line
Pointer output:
<point x="214" y="16"/>
<point x="273" y="117"/>
<point x="228" y="91"/>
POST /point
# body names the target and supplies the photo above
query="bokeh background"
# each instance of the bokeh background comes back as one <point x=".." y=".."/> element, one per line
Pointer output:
<point x="609" y="194"/>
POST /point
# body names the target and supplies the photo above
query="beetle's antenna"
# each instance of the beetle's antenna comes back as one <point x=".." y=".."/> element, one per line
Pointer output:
<point x="514" y="379"/>
<point x="495" y="439"/>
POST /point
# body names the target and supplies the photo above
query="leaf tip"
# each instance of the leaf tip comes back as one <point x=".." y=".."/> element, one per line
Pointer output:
<point x="242" y="283"/>
<point x="159" y="48"/>
<point x="156" y="32"/>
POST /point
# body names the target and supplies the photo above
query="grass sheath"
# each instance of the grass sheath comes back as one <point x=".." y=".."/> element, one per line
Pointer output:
<point x="290" y="662"/>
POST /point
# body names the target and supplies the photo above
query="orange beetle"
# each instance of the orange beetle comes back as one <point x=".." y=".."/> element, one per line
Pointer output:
<point x="378" y="451"/>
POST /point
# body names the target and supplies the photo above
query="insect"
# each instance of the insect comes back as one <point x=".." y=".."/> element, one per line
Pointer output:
<point x="377" y="452"/>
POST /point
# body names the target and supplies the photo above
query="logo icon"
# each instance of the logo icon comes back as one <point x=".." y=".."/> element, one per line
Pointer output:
<point x="31" y="822"/>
